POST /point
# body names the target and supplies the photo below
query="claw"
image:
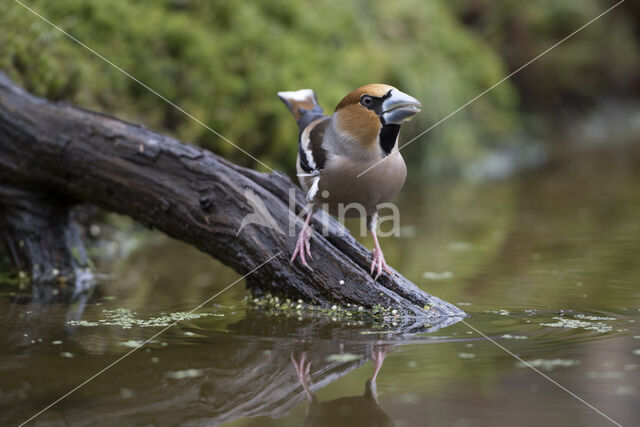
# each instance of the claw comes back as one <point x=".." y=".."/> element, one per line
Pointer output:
<point x="378" y="264"/>
<point x="377" y="356"/>
<point x="303" y="370"/>
<point x="308" y="247"/>
<point x="303" y="245"/>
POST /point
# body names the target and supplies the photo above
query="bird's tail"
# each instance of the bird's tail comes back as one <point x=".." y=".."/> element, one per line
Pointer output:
<point x="300" y="101"/>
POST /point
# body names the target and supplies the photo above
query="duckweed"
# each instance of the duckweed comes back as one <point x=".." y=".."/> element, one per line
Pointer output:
<point x="125" y="318"/>
<point x="344" y="357"/>
<point x="564" y="322"/>
<point x="514" y="337"/>
<point x="274" y="305"/>
<point x="586" y="317"/>
<point x="549" y="364"/>
<point x="186" y="373"/>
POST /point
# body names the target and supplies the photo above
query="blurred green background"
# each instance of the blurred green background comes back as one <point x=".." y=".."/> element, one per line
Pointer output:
<point x="223" y="62"/>
<point x="515" y="253"/>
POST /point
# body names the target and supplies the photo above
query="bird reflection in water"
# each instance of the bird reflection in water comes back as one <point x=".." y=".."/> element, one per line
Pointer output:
<point x="349" y="411"/>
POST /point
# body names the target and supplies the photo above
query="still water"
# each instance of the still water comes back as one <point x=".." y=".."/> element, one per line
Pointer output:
<point x="546" y="263"/>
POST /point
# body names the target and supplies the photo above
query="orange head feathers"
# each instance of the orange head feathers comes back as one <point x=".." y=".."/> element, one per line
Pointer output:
<point x="366" y="111"/>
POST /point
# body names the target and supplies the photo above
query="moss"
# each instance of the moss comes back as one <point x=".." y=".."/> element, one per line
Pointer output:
<point x="14" y="281"/>
<point x="224" y="61"/>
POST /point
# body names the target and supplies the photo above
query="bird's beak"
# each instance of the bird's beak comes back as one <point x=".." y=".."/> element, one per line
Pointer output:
<point x="399" y="108"/>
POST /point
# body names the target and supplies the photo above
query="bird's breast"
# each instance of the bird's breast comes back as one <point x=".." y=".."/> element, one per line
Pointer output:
<point x="343" y="193"/>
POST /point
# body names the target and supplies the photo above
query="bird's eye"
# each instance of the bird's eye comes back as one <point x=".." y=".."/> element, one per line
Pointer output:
<point x="366" y="101"/>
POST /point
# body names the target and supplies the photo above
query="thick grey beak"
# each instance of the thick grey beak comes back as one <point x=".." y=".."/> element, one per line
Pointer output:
<point x="399" y="108"/>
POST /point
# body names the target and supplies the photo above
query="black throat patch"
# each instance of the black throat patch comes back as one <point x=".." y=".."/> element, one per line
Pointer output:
<point x="388" y="136"/>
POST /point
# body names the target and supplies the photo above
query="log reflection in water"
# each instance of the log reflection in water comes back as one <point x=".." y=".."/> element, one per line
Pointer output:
<point x="244" y="371"/>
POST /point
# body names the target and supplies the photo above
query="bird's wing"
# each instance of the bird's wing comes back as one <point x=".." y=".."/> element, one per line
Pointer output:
<point x="311" y="153"/>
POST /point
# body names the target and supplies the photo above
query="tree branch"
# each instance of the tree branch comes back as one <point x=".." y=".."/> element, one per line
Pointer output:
<point x="192" y="195"/>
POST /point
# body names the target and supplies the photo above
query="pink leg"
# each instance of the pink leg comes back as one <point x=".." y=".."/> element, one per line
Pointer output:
<point x="378" y="263"/>
<point x="377" y="355"/>
<point x="303" y="369"/>
<point x="303" y="246"/>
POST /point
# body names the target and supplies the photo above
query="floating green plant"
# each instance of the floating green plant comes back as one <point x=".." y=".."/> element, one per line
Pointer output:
<point x="274" y="305"/>
<point x="125" y="318"/>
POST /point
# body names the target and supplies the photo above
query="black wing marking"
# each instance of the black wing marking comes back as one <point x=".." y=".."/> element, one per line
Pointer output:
<point x="312" y="155"/>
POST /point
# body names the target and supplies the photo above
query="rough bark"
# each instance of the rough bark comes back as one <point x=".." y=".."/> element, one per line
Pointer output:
<point x="44" y="241"/>
<point x="192" y="195"/>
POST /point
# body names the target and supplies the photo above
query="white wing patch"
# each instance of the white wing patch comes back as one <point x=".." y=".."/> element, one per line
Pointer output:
<point x="313" y="190"/>
<point x="298" y="95"/>
<point x="305" y="142"/>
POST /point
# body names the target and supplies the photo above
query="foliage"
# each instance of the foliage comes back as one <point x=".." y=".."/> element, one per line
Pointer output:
<point x="601" y="60"/>
<point x="224" y="61"/>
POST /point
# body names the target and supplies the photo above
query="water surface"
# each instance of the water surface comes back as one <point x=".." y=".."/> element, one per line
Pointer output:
<point x="546" y="263"/>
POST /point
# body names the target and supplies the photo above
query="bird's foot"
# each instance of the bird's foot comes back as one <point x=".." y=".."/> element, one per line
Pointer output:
<point x="303" y="370"/>
<point x="378" y="353"/>
<point x="378" y="264"/>
<point x="303" y="246"/>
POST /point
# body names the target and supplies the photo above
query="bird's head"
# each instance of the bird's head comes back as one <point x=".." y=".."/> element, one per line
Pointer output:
<point x="364" y="113"/>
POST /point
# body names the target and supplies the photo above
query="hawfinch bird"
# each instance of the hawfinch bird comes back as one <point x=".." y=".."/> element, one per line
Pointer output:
<point x="334" y="150"/>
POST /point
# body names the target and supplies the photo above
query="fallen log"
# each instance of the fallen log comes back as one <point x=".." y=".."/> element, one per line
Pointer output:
<point x="193" y="195"/>
<point x="44" y="239"/>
